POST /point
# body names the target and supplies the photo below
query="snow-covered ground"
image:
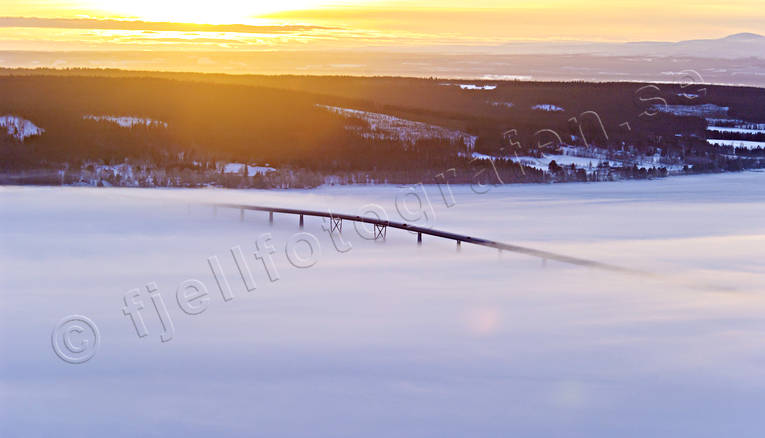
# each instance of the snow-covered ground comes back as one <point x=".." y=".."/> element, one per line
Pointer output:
<point x="547" y="107"/>
<point x="392" y="339"/>
<point x="705" y="110"/>
<point x="741" y="127"/>
<point x="590" y="163"/>
<point x="737" y="143"/>
<point x="732" y="129"/>
<point x="126" y="121"/>
<point x="19" y="128"/>
<point x="562" y="160"/>
<point x="123" y="170"/>
<point x="715" y="122"/>
<point x="251" y="170"/>
<point x="473" y="86"/>
<point x="391" y="127"/>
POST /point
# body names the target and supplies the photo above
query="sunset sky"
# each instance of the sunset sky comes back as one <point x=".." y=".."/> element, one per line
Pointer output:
<point x="294" y="24"/>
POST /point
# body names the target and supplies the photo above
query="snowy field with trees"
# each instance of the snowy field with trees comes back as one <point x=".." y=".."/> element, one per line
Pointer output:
<point x="391" y="339"/>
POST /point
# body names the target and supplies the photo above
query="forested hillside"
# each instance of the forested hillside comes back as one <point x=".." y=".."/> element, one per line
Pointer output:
<point x="370" y="129"/>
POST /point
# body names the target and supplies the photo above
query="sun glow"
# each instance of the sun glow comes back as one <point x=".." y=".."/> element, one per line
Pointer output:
<point x="194" y="11"/>
<point x="340" y="24"/>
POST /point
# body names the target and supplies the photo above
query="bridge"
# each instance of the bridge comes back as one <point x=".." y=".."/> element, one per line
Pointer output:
<point x="381" y="226"/>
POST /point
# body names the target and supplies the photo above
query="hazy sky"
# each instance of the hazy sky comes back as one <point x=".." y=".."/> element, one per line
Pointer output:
<point x="79" y="24"/>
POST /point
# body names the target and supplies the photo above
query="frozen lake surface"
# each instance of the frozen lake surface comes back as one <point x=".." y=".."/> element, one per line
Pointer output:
<point x="392" y="339"/>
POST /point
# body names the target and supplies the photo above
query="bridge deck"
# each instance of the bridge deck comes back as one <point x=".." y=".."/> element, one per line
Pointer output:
<point x="545" y="255"/>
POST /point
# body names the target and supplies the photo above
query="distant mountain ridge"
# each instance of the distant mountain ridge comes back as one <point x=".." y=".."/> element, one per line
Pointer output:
<point x="744" y="36"/>
<point x="739" y="45"/>
<point x="737" y="59"/>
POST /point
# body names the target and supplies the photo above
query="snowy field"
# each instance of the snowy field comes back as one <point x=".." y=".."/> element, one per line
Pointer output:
<point x="19" y="128"/>
<point x="384" y="126"/>
<point x="126" y="121"/>
<point x="588" y="163"/>
<point x="391" y="339"/>
<point x="737" y="143"/>
<point x="736" y="130"/>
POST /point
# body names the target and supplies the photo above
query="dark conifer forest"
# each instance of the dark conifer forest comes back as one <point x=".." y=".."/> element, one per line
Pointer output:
<point x="200" y="122"/>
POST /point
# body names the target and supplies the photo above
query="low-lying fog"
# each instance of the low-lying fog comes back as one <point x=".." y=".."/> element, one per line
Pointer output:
<point x="391" y="339"/>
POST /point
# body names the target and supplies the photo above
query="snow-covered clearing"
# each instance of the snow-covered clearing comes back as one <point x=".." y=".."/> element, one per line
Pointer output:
<point x="473" y="86"/>
<point x="385" y="126"/>
<point x="547" y="107"/>
<point x="590" y="163"/>
<point x="737" y="143"/>
<point x="705" y="110"/>
<point x="740" y="127"/>
<point x="238" y="168"/>
<point x="19" y="128"/>
<point x="738" y="130"/>
<point x="126" y="121"/>
<point x="714" y="123"/>
<point x="562" y="160"/>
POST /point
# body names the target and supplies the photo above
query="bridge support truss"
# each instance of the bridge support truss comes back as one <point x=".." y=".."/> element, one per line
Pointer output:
<point x="335" y="224"/>
<point x="380" y="231"/>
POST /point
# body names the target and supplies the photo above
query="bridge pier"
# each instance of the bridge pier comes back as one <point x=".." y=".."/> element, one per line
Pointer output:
<point x="301" y="221"/>
<point x="459" y="245"/>
<point x="241" y="215"/>
<point x="419" y="238"/>
<point x="271" y="217"/>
